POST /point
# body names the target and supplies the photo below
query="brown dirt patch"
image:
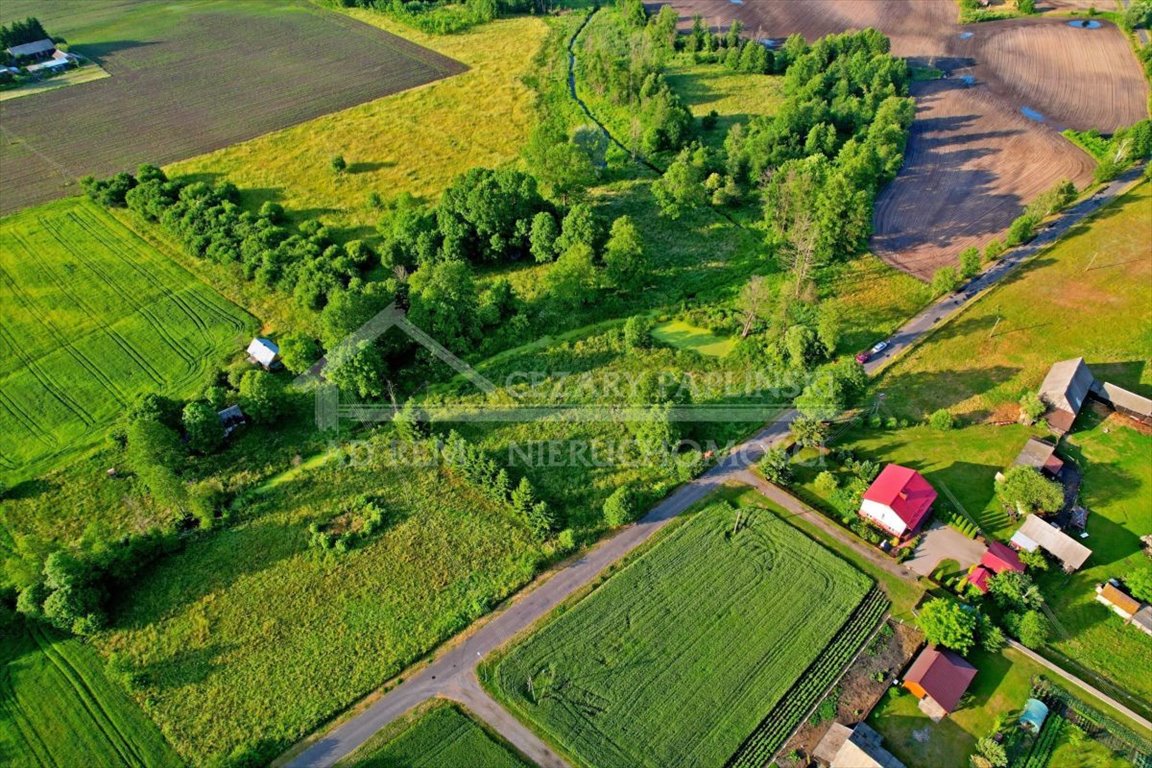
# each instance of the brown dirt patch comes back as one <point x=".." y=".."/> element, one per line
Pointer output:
<point x="859" y="690"/>
<point x="219" y="77"/>
<point x="974" y="159"/>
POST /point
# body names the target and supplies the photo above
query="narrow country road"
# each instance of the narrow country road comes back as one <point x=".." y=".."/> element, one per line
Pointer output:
<point x="452" y="674"/>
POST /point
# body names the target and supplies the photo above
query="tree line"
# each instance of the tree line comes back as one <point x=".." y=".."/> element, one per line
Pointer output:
<point x="20" y="32"/>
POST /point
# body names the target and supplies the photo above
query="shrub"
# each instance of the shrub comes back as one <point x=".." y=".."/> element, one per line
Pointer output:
<point x="775" y="465"/>
<point x="994" y="250"/>
<point x="638" y="332"/>
<point x="945" y="281"/>
<point x="619" y="507"/>
<point x="941" y="420"/>
<point x="1022" y="230"/>
<point x="565" y="541"/>
<point x="338" y="164"/>
<point x="969" y="262"/>
<point x="1032" y="407"/>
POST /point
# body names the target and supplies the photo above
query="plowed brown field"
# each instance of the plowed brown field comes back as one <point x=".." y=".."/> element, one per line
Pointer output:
<point x="986" y="139"/>
<point x="223" y="74"/>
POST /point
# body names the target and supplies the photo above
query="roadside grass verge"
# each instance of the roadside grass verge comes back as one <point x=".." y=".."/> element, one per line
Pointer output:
<point x="441" y="735"/>
<point x="706" y="611"/>
<point x="59" y="707"/>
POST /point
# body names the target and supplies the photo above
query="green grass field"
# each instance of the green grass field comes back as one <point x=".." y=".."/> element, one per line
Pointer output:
<point x="1087" y="296"/>
<point x="677" y="657"/>
<point x="58" y="707"/>
<point x="682" y="335"/>
<point x="735" y="96"/>
<point x="441" y="737"/>
<point x="250" y="638"/>
<point x="1117" y="490"/>
<point x="92" y="316"/>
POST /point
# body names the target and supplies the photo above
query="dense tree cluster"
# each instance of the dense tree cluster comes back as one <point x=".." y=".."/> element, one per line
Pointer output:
<point x="443" y="17"/>
<point x="210" y="224"/>
<point x="20" y="32"/>
<point x="475" y="466"/>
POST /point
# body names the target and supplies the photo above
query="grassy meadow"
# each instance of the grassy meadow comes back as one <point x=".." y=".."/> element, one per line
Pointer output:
<point x="734" y="96"/>
<point x="59" y="707"/>
<point x="88" y="327"/>
<point x="226" y="640"/>
<point x="441" y="736"/>
<point x="1088" y="296"/>
<point x="711" y="624"/>
<point x="1091" y="640"/>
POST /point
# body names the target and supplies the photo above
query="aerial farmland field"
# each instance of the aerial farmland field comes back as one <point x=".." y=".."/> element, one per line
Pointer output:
<point x="93" y="316"/>
<point x="678" y="658"/>
<point x="442" y="737"/>
<point x="190" y="78"/>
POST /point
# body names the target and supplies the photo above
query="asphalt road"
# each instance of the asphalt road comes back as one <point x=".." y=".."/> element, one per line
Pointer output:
<point x="452" y="674"/>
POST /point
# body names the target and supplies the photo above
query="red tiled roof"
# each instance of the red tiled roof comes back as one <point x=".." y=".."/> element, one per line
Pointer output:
<point x="905" y="491"/>
<point x="943" y="675"/>
<point x="1000" y="558"/>
<point x="979" y="578"/>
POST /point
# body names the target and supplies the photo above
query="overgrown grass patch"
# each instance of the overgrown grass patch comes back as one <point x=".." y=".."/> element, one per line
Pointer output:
<point x="226" y="641"/>
<point x="714" y="623"/>
<point x="682" y="335"/>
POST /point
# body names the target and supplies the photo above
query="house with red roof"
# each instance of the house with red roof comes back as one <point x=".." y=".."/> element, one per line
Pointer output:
<point x="898" y="501"/>
<point x="939" y="679"/>
<point x="998" y="558"/>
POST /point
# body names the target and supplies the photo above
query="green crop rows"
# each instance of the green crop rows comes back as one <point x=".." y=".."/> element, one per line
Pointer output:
<point x="676" y="658"/>
<point x="1041" y="751"/>
<point x="443" y="737"/>
<point x="775" y="729"/>
<point x="88" y="327"/>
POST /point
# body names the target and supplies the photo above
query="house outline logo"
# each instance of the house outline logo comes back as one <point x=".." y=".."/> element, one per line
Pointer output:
<point x="330" y="407"/>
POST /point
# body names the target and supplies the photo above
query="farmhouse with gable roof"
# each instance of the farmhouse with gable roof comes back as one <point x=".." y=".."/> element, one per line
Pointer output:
<point x="939" y="679"/>
<point x="898" y="501"/>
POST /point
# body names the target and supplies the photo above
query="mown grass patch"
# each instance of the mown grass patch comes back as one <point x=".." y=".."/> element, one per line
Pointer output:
<point x="59" y="707"/>
<point x="682" y="335"/>
<point x="92" y="316"/>
<point x="736" y="97"/>
<point x="712" y="623"/>
<point x="1086" y="296"/>
<point x="1117" y="490"/>
<point x="228" y="641"/>
<point x="443" y="736"/>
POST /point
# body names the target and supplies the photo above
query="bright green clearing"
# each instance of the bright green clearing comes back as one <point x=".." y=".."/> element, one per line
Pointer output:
<point x="736" y="97"/>
<point x="682" y="335"/>
<point x="249" y="639"/>
<point x="442" y="737"/>
<point x="1092" y="641"/>
<point x="1088" y="296"/>
<point x="675" y="659"/>
<point x="58" y="707"/>
<point x="93" y="315"/>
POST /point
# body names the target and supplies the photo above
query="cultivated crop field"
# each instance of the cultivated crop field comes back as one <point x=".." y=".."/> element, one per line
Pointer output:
<point x="678" y="657"/>
<point x="442" y="737"/>
<point x="92" y="316"/>
<point x="251" y="638"/>
<point x="58" y="707"/>
<point x="190" y="78"/>
<point x="975" y="158"/>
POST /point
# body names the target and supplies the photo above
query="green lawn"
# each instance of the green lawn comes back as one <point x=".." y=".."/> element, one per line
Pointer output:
<point x="92" y="316"/>
<point x="1117" y="491"/>
<point x="441" y="737"/>
<point x="58" y="707"/>
<point x="682" y="335"/>
<point x="1087" y="296"/>
<point x="250" y="638"/>
<point x="676" y="658"/>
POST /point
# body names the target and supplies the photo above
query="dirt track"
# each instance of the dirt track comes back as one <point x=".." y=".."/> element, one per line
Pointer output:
<point x="986" y="139"/>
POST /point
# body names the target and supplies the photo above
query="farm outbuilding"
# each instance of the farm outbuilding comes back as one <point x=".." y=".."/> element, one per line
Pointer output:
<point x="1040" y="455"/>
<point x="1121" y="603"/>
<point x="939" y="678"/>
<point x="231" y="418"/>
<point x="1064" y="391"/>
<point x="1035" y="534"/>
<point x="264" y="353"/>
<point x="898" y="501"/>
<point x="859" y="747"/>
<point x="36" y="48"/>
<point x="998" y="558"/>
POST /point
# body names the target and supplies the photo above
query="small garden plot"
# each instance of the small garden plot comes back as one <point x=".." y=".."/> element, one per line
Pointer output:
<point x="682" y="335"/>
<point x="443" y="737"/>
<point x="714" y="625"/>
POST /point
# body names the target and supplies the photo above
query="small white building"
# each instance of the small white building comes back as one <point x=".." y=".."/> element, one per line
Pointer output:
<point x="264" y="353"/>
